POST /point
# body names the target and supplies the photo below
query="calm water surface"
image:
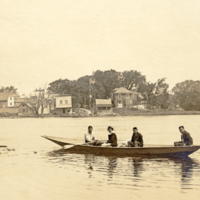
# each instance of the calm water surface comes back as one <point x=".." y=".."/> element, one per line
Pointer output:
<point x="34" y="171"/>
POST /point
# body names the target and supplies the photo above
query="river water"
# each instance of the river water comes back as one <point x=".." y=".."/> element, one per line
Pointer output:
<point x="34" y="171"/>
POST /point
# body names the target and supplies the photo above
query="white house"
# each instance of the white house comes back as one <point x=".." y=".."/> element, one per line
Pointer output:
<point x="63" y="103"/>
<point x="11" y="101"/>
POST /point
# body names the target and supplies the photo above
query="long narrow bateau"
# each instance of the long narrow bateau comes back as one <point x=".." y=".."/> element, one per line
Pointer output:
<point x="159" y="150"/>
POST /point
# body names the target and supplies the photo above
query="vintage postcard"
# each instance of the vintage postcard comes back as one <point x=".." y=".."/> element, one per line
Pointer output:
<point x="99" y="100"/>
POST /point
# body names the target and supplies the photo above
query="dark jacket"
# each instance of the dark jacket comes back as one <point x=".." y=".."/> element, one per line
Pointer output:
<point x="138" y="138"/>
<point x="112" y="138"/>
<point x="187" y="138"/>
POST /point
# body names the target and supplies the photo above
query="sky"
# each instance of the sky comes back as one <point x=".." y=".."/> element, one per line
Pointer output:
<point x="45" y="40"/>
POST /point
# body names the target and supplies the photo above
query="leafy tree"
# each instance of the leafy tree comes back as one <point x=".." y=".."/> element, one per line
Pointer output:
<point x="60" y="86"/>
<point x="156" y="94"/>
<point x="10" y="89"/>
<point x="102" y="83"/>
<point x="80" y="91"/>
<point x="132" y="79"/>
<point x="106" y="81"/>
<point x="188" y="94"/>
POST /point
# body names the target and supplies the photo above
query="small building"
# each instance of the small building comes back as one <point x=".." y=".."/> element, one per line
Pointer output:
<point x="121" y="97"/>
<point x="25" y="109"/>
<point x="63" y="104"/>
<point x="22" y="109"/>
<point x="103" y="105"/>
<point x="7" y="99"/>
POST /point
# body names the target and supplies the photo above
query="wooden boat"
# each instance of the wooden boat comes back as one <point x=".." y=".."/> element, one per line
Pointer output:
<point x="147" y="150"/>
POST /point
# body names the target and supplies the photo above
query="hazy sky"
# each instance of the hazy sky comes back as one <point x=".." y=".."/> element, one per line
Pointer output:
<point x="44" y="40"/>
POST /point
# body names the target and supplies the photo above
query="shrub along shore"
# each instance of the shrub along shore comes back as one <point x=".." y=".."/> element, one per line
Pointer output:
<point x="117" y="112"/>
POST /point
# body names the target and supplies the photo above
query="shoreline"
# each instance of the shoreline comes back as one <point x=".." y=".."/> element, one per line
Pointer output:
<point x="123" y="114"/>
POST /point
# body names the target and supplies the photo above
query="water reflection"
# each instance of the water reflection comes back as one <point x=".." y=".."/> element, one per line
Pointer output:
<point x="101" y="163"/>
<point x="137" y="166"/>
<point x="112" y="165"/>
<point x="89" y="160"/>
<point x="186" y="170"/>
<point x="155" y="169"/>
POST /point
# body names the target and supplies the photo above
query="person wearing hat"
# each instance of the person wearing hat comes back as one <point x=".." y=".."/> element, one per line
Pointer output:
<point x="112" y="137"/>
<point x="136" y="140"/>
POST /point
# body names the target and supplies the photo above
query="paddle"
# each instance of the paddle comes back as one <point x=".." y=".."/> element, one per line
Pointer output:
<point x="3" y="146"/>
<point x="70" y="145"/>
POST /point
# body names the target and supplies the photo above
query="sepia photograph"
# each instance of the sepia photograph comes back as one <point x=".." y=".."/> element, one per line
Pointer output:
<point x="99" y="100"/>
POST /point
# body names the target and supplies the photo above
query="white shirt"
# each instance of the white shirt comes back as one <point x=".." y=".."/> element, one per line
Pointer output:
<point x="110" y="133"/>
<point x="89" y="137"/>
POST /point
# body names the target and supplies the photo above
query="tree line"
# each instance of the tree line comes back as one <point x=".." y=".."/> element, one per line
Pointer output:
<point x="100" y="85"/>
<point x="187" y="95"/>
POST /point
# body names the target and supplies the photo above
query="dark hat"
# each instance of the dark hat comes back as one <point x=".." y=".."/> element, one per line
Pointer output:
<point x="110" y="127"/>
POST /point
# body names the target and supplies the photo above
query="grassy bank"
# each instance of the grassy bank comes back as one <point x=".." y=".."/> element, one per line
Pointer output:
<point x="118" y="112"/>
<point x="131" y="112"/>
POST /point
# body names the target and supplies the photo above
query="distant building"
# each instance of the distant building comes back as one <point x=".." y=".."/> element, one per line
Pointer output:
<point x="7" y="99"/>
<point x="103" y="105"/>
<point x="63" y="104"/>
<point x="25" y="109"/>
<point x="10" y="101"/>
<point x="21" y="109"/>
<point x="14" y="100"/>
<point x="121" y="97"/>
<point x="12" y="104"/>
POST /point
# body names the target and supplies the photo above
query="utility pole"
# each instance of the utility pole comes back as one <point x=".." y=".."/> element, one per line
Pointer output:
<point x="40" y="97"/>
<point x="89" y="94"/>
<point x="84" y="101"/>
<point x="40" y="91"/>
<point x="91" y="80"/>
<point x="95" y="108"/>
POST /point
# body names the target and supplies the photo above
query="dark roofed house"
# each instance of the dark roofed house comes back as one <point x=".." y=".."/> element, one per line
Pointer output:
<point x="12" y="104"/>
<point x="20" y="109"/>
<point x="122" y="97"/>
<point x="103" y="105"/>
<point x="122" y="90"/>
<point x="25" y="109"/>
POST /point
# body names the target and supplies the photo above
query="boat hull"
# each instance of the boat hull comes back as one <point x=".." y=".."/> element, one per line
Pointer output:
<point x="130" y="151"/>
<point x="160" y="151"/>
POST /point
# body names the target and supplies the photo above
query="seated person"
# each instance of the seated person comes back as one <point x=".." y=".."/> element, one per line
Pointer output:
<point x="89" y="136"/>
<point x="136" y="140"/>
<point x="112" y="138"/>
<point x="186" y="139"/>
